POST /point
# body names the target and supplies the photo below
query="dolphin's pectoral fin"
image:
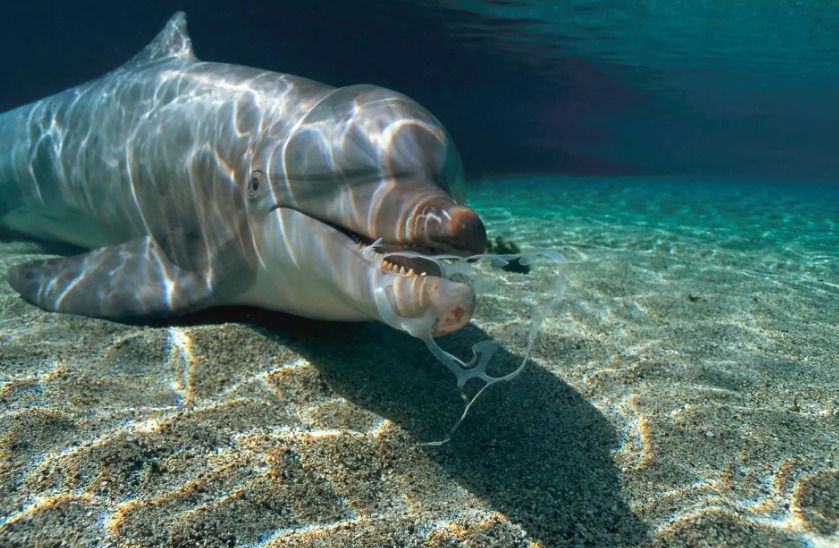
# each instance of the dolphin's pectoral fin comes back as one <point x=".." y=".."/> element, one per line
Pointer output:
<point x="132" y="280"/>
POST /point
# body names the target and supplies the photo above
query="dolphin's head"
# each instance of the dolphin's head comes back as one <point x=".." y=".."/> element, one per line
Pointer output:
<point x="378" y="164"/>
<point x="367" y="164"/>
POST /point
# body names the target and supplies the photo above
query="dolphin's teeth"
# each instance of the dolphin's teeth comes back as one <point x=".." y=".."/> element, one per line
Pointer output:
<point x="387" y="265"/>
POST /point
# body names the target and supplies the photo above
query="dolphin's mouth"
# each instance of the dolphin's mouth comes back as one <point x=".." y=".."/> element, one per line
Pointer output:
<point x="386" y="256"/>
<point x="398" y="264"/>
<point x="430" y="229"/>
<point x="470" y="240"/>
<point x="421" y="299"/>
<point x="402" y="287"/>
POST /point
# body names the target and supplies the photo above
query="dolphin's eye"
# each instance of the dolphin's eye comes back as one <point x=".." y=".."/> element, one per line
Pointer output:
<point x="255" y="183"/>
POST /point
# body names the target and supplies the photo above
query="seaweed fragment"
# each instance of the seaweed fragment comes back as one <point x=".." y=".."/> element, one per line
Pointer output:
<point x="502" y="246"/>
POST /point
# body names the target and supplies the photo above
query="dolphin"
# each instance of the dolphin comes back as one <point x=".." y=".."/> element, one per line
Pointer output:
<point x="193" y="184"/>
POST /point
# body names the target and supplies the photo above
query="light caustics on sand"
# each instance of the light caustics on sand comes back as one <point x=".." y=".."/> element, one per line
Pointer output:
<point x="547" y="297"/>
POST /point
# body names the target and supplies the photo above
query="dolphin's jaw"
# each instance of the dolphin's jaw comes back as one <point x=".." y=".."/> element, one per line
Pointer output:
<point x="398" y="264"/>
<point x="422" y="304"/>
<point x="313" y="269"/>
<point x="408" y="292"/>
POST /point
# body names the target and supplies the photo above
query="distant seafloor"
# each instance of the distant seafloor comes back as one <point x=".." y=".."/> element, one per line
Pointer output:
<point x="685" y="390"/>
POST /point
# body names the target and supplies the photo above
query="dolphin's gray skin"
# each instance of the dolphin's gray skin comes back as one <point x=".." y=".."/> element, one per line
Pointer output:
<point x="202" y="184"/>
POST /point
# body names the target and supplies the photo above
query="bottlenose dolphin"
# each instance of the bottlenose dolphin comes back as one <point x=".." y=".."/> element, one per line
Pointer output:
<point x="198" y="184"/>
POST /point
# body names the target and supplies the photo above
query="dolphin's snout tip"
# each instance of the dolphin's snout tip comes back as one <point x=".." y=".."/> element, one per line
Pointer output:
<point x="425" y="305"/>
<point x="454" y="308"/>
<point x="463" y="231"/>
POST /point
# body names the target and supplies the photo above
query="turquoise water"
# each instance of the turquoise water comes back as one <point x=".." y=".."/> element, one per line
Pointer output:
<point x="746" y="215"/>
<point x="699" y="318"/>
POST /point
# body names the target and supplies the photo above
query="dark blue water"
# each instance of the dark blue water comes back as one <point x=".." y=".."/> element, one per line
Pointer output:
<point x="746" y="89"/>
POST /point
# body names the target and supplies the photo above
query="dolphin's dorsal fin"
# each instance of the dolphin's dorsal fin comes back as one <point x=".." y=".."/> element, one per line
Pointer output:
<point x="172" y="42"/>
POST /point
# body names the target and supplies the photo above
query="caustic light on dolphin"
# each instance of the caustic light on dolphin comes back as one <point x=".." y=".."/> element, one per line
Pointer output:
<point x="197" y="184"/>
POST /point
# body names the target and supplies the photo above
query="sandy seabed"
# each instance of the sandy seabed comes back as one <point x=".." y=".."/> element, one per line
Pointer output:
<point x="686" y="390"/>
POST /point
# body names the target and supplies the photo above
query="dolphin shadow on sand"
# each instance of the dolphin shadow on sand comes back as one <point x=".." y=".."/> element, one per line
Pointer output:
<point x="533" y="448"/>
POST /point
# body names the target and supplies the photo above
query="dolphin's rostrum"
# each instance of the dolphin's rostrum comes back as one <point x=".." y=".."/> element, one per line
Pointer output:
<point x="200" y="184"/>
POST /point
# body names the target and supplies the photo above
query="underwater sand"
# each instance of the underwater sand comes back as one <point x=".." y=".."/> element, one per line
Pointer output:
<point x="685" y="390"/>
